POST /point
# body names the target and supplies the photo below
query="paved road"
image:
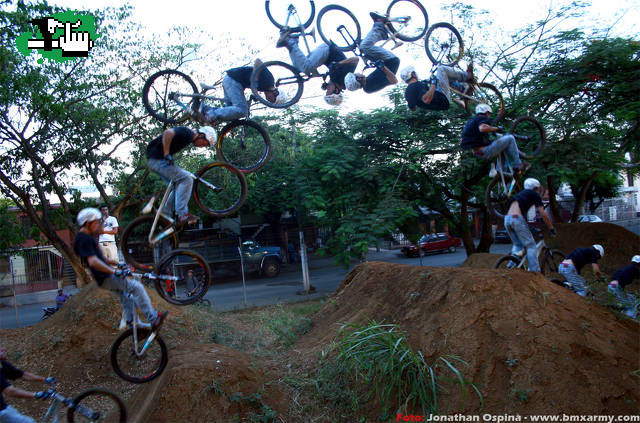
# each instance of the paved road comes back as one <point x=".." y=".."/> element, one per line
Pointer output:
<point x="324" y="274"/>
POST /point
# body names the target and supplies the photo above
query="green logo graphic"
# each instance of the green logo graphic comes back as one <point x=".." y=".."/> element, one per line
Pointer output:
<point x="61" y="37"/>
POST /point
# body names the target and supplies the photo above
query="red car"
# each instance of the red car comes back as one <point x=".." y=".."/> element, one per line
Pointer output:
<point x="433" y="243"/>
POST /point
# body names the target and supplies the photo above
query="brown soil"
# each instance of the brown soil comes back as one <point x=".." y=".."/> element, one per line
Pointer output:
<point x="482" y="260"/>
<point x="532" y="347"/>
<point x="73" y="345"/>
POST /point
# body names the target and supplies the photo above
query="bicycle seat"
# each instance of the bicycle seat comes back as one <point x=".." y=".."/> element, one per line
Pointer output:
<point x="207" y="87"/>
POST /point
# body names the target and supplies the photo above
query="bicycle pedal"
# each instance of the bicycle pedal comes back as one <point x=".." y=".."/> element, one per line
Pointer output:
<point x="149" y="206"/>
<point x="396" y="44"/>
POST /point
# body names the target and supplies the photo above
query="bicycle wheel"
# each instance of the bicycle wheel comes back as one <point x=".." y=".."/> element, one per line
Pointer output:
<point x="220" y="189"/>
<point x="287" y="79"/>
<point x="408" y="19"/>
<point x="550" y="261"/>
<point x="191" y="271"/>
<point x="280" y="12"/>
<point x="507" y="262"/>
<point x="138" y="369"/>
<point x="97" y="405"/>
<point x="245" y="144"/>
<point x="338" y="25"/>
<point x="168" y="96"/>
<point x="136" y="249"/>
<point x="443" y="44"/>
<point x="497" y="198"/>
<point x="529" y="135"/>
<point x="486" y="93"/>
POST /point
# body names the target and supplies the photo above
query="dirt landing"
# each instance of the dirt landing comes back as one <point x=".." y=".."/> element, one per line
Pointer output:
<point x="532" y="347"/>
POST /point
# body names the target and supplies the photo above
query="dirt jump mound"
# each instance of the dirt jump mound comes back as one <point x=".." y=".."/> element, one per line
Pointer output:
<point x="532" y="347"/>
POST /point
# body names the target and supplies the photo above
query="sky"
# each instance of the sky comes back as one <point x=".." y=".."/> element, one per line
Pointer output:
<point x="247" y="19"/>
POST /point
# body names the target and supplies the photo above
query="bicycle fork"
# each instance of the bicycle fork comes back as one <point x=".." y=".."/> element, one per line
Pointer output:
<point x="139" y="353"/>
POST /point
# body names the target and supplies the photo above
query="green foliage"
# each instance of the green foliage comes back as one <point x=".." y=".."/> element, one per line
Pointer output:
<point x="11" y="232"/>
<point x="380" y="358"/>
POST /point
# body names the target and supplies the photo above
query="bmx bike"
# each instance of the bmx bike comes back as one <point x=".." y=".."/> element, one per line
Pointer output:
<point x="92" y="405"/>
<point x="548" y="258"/>
<point x="503" y="186"/>
<point x="172" y="97"/>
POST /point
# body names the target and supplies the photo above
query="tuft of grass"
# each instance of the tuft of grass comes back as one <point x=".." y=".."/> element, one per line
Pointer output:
<point x="380" y="357"/>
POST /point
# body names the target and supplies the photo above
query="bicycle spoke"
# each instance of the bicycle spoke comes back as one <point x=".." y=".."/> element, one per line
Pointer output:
<point x="246" y="146"/>
<point x="183" y="277"/>
<point x="169" y="96"/>
<point x="408" y="19"/>
<point x="338" y="25"/>
<point x="98" y="405"/>
<point x="136" y="248"/>
<point x="134" y="367"/>
<point x="230" y="192"/>
<point x="443" y="44"/>
<point x="290" y="12"/>
<point x="530" y="136"/>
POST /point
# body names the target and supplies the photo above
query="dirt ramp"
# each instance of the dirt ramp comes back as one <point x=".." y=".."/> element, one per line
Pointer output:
<point x="482" y="260"/>
<point x="532" y="347"/>
<point x="211" y="383"/>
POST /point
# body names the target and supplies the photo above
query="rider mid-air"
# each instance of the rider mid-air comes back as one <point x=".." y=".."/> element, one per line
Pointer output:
<point x="234" y="83"/>
<point x="328" y="55"/>
<point x="160" y="153"/>
<point x="386" y="62"/>
<point x="433" y="95"/>
<point x="474" y="136"/>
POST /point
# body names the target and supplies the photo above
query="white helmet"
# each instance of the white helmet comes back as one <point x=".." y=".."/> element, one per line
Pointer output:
<point x="636" y="259"/>
<point x="531" y="183"/>
<point x="599" y="248"/>
<point x="351" y="82"/>
<point x="333" y="99"/>
<point x="483" y="108"/>
<point x="210" y="134"/>
<point x="405" y="73"/>
<point x="88" y="215"/>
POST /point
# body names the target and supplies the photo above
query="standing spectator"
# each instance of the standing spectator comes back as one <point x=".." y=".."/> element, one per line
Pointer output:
<point x="61" y="298"/>
<point x="571" y="266"/>
<point x="191" y="283"/>
<point x="170" y="285"/>
<point x="107" y="240"/>
<point x="8" y="414"/>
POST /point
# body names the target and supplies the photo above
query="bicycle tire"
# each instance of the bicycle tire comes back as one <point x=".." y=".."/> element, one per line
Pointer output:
<point x="550" y="262"/>
<point x="230" y="182"/>
<point x="496" y="200"/>
<point x="135" y="242"/>
<point x="504" y="261"/>
<point x="309" y="21"/>
<point x="443" y="41"/>
<point x="94" y="400"/>
<point x="486" y="93"/>
<point x="558" y="282"/>
<point x="288" y="81"/>
<point x="326" y="32"/>
<point x="422" y="26"/>
<point x="530" y="127"/>
<point x="124" y="360"/>
<point x="244" y="144"/>
<point x="179" y="262"/>
<point x="157" y="102"/>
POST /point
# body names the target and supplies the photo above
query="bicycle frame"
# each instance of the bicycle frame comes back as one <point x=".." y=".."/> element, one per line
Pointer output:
<point x="57" y="399"/>
<point x="540" y="245"/>
<point x="149" y="206"/>
<point x="292" y="11"/>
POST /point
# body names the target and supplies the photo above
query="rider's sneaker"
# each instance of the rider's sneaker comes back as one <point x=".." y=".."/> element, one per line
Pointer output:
<point x="470" y="76"/>
<point x="284" y="38"/>
<point x="493" y="172"/>
<point x="162" y="315"/>
<point x="378" y="17"/>
<point x="523" y="168"/>
<point x="187" y="219"/>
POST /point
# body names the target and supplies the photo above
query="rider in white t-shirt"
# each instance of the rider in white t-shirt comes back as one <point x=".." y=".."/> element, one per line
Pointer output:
<point x="107" y="240"/>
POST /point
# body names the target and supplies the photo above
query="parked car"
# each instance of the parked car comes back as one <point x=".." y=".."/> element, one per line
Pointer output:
<point x="502" y="236"/>
<point x="440" y="242"/>
<point x="589" y="218"/>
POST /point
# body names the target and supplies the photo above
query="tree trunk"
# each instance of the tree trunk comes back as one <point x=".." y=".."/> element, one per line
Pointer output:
<point x="582" y="196"/>
<point x="486" y="235"/>
<point x="553" y="203"/>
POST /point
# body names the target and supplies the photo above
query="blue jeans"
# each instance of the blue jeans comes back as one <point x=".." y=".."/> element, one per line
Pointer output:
<point x="11" y="415"/>
<point x="521" y="237"/>
<point x="445" y="74"/>
<point x="368" y="47"/>
<point x="506" y="143"/>
<point x="183" y="185"/>
<point x="577" y="282"/>
<point x="307" y="64"/>
<point x="237" y="106"/>
<point x="131" y="293"/>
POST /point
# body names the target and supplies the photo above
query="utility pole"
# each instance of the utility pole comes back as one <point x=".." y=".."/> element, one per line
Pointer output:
<point x="303" y="247"/>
